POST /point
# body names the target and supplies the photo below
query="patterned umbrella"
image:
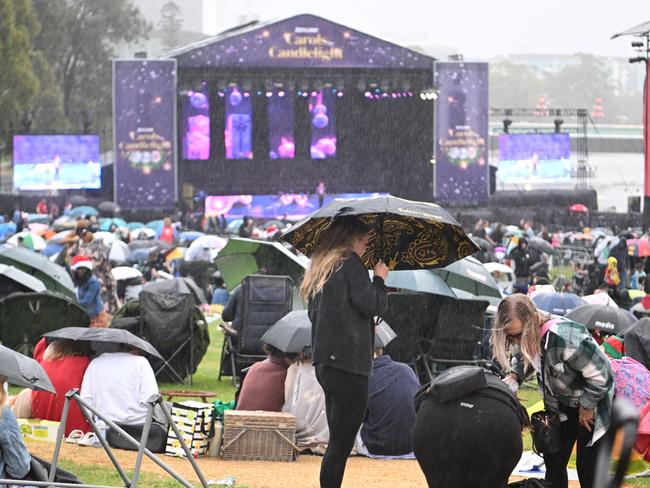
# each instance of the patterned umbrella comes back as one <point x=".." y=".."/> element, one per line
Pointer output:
<point x="405" y="234"/>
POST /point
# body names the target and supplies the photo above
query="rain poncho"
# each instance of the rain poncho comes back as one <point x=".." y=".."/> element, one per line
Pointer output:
<point x="611" y="273"/>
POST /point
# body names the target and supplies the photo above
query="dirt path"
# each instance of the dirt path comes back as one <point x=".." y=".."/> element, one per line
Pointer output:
<point x="360" y="472"/>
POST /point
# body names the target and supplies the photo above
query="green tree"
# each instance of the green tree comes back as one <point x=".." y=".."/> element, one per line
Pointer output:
<point x="171" y="20"/>
<point x="513" y="86"/>
<point x="78" y="37"/>
<point x="18" y="83"/>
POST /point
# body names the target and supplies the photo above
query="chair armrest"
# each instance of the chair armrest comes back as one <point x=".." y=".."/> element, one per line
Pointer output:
<point x="228" y="329"/>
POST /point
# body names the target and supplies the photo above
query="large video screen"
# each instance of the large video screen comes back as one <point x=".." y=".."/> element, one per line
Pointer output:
<point x="534" y="158"/>
<point x="196" y="123"/>
<point x="49" y="162"/>
<point x="281" y="141"/>
<point x="322" y="111"/>
<point x="238" y="133"/>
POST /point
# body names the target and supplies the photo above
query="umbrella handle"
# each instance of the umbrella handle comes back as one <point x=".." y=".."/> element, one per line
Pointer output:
<point x="381" y="237"/>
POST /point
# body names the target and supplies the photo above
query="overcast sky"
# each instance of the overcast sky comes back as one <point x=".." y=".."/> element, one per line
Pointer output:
<point x="481" y="28"/>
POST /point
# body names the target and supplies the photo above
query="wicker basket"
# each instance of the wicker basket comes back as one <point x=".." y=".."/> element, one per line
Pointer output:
<point x="260" y="436"/>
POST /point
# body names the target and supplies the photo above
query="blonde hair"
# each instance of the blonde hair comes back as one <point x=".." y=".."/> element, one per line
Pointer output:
<point x="520" y="307"/>
<point x="335" y="243"/>
<point x="63" y="348"/>
<point x="3" y="393"/>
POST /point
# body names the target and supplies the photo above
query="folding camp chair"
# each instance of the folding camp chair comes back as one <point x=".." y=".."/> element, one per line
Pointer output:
<point x="265" y="300"/>
<point x="456" y="338"/>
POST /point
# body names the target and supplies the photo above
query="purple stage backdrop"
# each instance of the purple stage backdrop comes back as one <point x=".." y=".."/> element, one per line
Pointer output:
<point x="144" y="128"/>
<point x="301" y="41"/>
<point x="462" y="171"/>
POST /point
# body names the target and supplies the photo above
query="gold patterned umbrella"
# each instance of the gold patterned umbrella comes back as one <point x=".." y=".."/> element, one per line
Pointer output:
<point x="405" y="234"/>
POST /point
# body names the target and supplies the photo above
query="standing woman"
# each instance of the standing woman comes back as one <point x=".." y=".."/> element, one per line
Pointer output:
<point x="579" y="381"/>
<point x="342" y="303"/>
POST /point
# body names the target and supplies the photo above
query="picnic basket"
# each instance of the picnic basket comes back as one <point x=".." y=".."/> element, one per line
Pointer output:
<point x="260" y="436"/>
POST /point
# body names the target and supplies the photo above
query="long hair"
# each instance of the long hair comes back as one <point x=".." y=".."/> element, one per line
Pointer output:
<point x="64" y="348"/>
<point x="520" y="307"/>
<point x="336" y="241"/>
<point x="3" y="393"/>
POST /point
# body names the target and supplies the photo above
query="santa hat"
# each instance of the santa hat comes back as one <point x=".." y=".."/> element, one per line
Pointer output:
<point x="81" y="262"/>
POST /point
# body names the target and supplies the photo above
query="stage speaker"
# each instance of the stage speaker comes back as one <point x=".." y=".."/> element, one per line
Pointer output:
<point x="634" y="204"/>
<point x="493" y="179"/>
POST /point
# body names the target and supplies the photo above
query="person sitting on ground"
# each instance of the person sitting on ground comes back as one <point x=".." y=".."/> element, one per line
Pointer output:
<point x="118" y="384"/>
<point x="305" y="398"/>
<point x="88" y="289"/>
<point x="389" y="422"/>
<point x="263" y="386"/>
<point x="65" y="362"/>
<point x="220" y="295"/>
<point x="14" y="456"/>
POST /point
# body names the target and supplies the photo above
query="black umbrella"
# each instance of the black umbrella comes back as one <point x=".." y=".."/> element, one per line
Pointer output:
<point x="482" y="243"/>
<point x="102" y="336"/>
<point x="108" y="207"/>
<point x="637" y="341"/>
<point x="612" y="320"/>
<point x="290" y="334"/>
<point x="78" y="200"/>
<point x="542" y="245"/>
<point x="21" y="370"/>
<point x="405" y="234"/>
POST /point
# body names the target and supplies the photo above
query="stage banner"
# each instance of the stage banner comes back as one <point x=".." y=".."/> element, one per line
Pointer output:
<point x="144" y="131"/>
<point x="462" y="171"/>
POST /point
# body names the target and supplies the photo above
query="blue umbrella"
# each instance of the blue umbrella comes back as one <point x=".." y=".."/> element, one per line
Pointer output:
<point x="84" y="210"/>
<point x="134" y="225"/>
<point x="155" y="225"/>
<point x="190" y="236"/>
<point x="36" y="218"/>
<point x="558" y="303"/>
<point x="105" y="224"/>
<point x="52" y="248"/>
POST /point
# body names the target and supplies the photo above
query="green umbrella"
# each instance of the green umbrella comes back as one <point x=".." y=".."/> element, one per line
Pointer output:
<point x="420" y="280"/>
<point x="25" y="317"/>
<point x="53" y="276"/>
<point x="14" y="280"/>
<point x="471" y="278"/>
<point x="405" y="234"/>
<point x="241" y="257"/>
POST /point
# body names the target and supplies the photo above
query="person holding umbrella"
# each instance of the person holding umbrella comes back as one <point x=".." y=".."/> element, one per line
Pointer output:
<point x="342" y="303"/>
<point x="88" y="289"/>
<point x="576" y="379"/>
<point x="14" y="456"/>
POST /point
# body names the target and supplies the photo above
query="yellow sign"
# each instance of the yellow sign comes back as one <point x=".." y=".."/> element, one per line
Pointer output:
<point x="306" y="46"/>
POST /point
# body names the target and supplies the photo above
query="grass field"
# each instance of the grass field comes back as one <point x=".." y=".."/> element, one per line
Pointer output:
<point x="206" y="379"/>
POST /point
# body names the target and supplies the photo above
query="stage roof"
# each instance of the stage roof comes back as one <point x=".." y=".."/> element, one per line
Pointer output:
<point x="637" y="30"/>
<point x="302" y="41"/>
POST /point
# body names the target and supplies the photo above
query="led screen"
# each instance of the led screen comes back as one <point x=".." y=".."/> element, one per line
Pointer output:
<point x="238" y="133"/>
<point x="48" y="162"/>
<point x="196" y="119"/>
<point x="322" y="113"/>
<point x="281" y="141"/>
<point x="534" y="158"/>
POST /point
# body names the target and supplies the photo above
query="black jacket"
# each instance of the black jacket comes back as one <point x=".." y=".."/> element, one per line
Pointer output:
<point x="341" y="316"/>
<point x="233" y="309"/>
<point x="523" y="260"/>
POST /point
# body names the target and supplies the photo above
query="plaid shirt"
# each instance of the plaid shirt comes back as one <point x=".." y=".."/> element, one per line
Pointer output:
<point x="577" y="373"/>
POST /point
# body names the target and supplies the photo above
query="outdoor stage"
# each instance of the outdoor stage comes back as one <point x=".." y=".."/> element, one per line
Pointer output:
<point x="277" y="108"/>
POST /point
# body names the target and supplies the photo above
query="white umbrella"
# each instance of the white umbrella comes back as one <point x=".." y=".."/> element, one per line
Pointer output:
<point x="142" y="233"/>
<point x="119" y="251"/>
<point x="600" y="299"/>
<point x="125" y="273"/>
<point x="205" y="248"/>
<point x="59" y="236"/>
<point x="107" y="237"/>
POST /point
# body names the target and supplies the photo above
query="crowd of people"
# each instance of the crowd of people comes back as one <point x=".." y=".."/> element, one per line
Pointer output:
<point x="347" y="394"/>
